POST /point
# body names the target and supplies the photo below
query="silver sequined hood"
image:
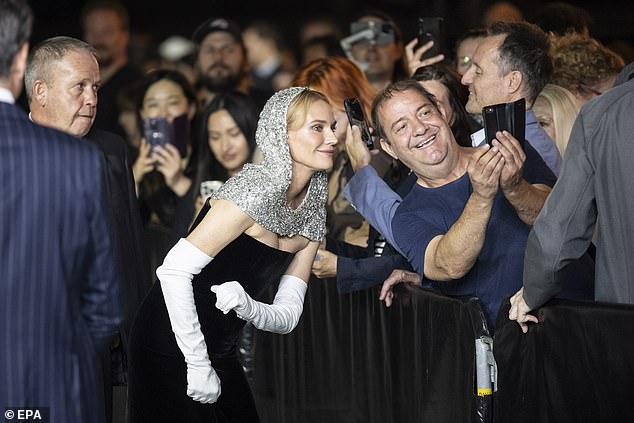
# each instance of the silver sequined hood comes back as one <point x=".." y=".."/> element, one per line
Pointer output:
<point x="260" y="190"/>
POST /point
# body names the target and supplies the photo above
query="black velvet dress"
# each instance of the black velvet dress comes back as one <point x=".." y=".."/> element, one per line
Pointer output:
<point x="157" y="384"/>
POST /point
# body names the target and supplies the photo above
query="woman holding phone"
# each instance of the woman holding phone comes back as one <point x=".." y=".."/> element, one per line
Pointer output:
<point x="162" y="172"/>
<point x="263" y="225"/>
<point x="165" y="94"/>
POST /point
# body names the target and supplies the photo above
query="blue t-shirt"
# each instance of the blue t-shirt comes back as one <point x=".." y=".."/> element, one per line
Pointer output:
<point x="497" y="273"/>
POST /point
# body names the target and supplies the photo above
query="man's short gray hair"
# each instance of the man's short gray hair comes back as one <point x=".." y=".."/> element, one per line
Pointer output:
<point x="51" y="50"/>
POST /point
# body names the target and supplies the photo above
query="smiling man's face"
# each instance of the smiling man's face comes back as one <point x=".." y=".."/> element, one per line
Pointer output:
<point x="417" y="133"/>
<point x="484" y="79"/>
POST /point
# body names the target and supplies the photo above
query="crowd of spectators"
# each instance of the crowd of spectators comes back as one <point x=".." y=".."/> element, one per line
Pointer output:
<point x="434" y="204"/>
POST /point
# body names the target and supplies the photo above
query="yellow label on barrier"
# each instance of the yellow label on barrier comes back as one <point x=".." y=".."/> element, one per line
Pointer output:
<point x="483" y="392"/>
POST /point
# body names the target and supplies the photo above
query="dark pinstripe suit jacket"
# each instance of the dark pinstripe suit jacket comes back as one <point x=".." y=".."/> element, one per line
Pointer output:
<point x="58" y="276"/>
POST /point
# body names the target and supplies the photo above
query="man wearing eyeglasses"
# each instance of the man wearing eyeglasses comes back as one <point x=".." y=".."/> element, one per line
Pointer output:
<point x="375" y="44"/>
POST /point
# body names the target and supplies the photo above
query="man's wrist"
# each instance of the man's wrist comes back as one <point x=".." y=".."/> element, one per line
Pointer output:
<point x="483" y="201"/>
<point x="359" y="164"/>
<point x="515" y="189"/>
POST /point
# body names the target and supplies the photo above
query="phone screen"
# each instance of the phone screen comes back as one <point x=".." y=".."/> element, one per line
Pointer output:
<point x="354" y="110"/>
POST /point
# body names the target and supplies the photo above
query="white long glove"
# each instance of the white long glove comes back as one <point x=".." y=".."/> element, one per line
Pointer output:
<point x="182" y="262"/>
<point x="280" y="317"/>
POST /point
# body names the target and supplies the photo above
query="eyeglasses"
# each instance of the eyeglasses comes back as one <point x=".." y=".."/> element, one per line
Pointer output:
<point x="379" y="32"/>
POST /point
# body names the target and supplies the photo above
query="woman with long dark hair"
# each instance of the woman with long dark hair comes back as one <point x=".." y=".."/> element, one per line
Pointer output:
<point x="444" y="84"/>
<point x="227" y="137"/>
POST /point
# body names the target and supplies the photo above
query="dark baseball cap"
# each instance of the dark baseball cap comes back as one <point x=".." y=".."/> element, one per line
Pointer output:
<point x="217" y="24"/>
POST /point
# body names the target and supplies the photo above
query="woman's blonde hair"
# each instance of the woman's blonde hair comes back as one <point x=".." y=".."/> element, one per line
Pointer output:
<point x="565" y="108"/>
<point x="298" y="108"/>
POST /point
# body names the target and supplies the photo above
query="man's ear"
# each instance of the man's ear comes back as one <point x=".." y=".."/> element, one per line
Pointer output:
<point x="514" y="82"/>
<point x="39" y="92"/>
<point x="388" y="148"/>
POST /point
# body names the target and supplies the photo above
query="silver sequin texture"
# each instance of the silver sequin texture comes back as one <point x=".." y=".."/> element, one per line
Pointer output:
<point x="260" y="190"/>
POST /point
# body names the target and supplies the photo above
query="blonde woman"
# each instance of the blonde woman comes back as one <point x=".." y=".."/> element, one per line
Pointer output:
<point x="556" y="109"/>
<point x="263" y="226"/>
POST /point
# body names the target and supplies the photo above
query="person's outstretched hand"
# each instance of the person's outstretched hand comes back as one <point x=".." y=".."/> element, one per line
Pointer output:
<point x="358" y="152"/>
<point x="325" y="264"/>
<point x="415" y="58"/>
<point x="397" y="276"/>
<point x="519" y="311"/>
<point x="143" y="164"/>
<point x="230" y="296"/>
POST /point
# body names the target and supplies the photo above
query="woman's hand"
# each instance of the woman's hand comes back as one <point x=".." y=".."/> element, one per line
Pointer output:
<point x="415" y="58"/>
<point x="143" y="164"/>
<point x="168" y="162"/>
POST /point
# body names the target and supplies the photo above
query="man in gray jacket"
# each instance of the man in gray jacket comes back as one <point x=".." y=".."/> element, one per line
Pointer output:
<point x="596" y="180"/>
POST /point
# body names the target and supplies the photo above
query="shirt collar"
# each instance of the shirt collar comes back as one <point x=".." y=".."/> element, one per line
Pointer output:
<point x="6" y="96"/>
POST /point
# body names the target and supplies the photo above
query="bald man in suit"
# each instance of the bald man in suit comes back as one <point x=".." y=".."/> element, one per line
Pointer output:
<point x="62" y="80"/>
<point x="59" y="279"/>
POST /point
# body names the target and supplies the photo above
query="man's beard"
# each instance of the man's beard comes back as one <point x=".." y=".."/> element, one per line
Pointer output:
<point x="224" y="83"/>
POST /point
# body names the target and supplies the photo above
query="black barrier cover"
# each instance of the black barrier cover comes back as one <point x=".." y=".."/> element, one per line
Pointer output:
<point x="351" y="359"/>
<point x="576" y="365"/>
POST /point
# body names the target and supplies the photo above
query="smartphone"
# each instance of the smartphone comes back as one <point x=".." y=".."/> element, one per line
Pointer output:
<point x="431" y="29"/>
<point x="354" y="110"/>
<point x="156" y="131"/>
<point x="160" y="131"/>
<point x="209" y="188"/>
<point x="509" y="117"/>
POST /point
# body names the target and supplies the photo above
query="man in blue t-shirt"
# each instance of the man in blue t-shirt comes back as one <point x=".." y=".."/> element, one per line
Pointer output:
<point x="464" y="225"/>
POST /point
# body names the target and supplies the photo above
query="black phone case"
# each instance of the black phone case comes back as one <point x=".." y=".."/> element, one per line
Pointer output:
<point x="509" y="117"/>
<point x="357" y="117"/>
<point x="431" y="29"/>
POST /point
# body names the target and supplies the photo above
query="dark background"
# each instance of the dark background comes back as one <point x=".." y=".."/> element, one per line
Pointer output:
<point x="158" y="19"/>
